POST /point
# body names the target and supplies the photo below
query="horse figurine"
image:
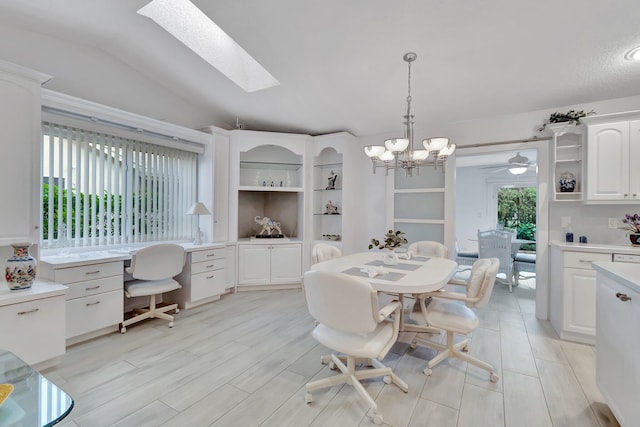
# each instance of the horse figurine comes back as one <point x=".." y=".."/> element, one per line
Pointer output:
<point x="268" y="225"/>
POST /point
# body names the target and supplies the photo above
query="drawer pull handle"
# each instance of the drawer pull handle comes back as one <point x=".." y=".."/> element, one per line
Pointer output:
<point x="623" y="297"/>
<point x="33" y="310"/>
<point x="92" y="288"/>
<point x="210" y="277"/>
<point x="92" y="303"/>
<point x="586" y="260"/>
<point x="209" y="266"/>
<point x="211" y="254"/>
<point x="93" y="272"/>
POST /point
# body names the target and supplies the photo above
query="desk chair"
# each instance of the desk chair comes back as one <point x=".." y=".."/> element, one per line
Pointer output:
<point x="456" y="318"/>
<point x="349" y="322"/>
<point x="324" y="252"/>
<point x="153" y="269"/>
<point x="428" y="248"/>
<point x="497" y="244"/>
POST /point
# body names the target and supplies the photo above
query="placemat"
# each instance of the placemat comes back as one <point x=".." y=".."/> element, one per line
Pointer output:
<point x="390" y="276"/>
<point x="399" y="266"/>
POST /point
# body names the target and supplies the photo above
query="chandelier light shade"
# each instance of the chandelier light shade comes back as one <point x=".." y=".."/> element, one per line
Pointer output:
<point x="399" y="153"/>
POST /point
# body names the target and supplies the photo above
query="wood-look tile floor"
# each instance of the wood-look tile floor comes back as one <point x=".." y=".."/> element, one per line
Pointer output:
<point x="244" y="361"/>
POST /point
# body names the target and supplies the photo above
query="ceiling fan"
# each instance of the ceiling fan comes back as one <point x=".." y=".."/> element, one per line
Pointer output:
<point x="517" y="165"/>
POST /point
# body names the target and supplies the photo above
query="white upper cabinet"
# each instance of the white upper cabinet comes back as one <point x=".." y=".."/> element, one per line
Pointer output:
<point x="613" y="142"/>
<point x="20" y="147"/>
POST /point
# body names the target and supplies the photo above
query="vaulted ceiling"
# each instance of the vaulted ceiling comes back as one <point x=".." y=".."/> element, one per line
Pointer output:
<point x="340" y="64"/>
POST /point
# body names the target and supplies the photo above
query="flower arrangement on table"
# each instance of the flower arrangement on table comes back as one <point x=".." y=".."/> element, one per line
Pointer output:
<point x="632" y="226"/>
<point x="392" y="240"/>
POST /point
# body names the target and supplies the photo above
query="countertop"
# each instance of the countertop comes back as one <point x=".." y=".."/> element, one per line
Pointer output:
<point x="596" y="247"/>
<point x="114" y="254"/>
<point x="40" y="289"/>
<point x="621" y="272"/>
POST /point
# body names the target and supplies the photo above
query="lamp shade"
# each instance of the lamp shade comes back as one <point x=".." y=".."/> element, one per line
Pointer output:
<point x="435" y="144"/>
<point x="198" y="208"/>
<point x="518" y="170"/>
<point x="396" y="144"/>
<point x="387" y="156"/>
<point x="448" y="150"/>
<point x="374" y="150"/>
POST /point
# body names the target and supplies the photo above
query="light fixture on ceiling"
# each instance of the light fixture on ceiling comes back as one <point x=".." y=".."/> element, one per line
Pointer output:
<point x="400" y="153"/>
<point x="184" y="21"/>
<point x="518" y="164"/>
<point x="633" y="54"/>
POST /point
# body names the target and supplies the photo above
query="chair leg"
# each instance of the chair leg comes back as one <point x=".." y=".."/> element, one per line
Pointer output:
<point x="152" y="312"/>
<point x="454" y="350"/>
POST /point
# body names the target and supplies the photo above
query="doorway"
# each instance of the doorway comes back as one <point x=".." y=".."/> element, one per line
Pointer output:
<point x="480" y="173"/>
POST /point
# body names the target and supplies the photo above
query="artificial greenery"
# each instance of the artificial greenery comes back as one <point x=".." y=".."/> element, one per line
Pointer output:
<point x="569" y="116"/>
<point x="392" y="240"/>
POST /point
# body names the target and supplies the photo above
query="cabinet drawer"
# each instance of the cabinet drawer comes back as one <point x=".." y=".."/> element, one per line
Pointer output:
<point x="210" y="265"/>
<point x="33" y="330"/>
<point x="94" y="312"/>
<point x="209" y="254"/>
<point x="207" y="284"/>
<point x="88" y="272"/>
<point x="583" y="259"/>
<point x="92" y="287"/>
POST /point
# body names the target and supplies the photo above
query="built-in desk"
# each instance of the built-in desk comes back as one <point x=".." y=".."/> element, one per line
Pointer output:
<point x="95" y="303"/>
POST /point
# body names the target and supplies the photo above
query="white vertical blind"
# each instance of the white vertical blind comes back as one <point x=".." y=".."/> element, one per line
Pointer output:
<point x="108" y="189"/>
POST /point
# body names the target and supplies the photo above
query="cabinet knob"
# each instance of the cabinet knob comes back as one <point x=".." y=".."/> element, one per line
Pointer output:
<point x="623" y="297"/>
<point x="626" y="195"/>
<point x="634" y="194"/>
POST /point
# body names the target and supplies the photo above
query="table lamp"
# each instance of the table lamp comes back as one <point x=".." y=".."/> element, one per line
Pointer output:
<point x="198" y="208"/>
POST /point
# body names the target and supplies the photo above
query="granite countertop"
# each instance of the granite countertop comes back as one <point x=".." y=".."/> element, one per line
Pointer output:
<point x="627" y="274"/>
<point x="596" y="247"/>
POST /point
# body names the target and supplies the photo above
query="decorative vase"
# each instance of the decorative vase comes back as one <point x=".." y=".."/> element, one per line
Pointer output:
<point x="20" y="269"/>
<point x="567" y="182"/>
<point x="390" y="257"/>
<point x="635" y="239"/>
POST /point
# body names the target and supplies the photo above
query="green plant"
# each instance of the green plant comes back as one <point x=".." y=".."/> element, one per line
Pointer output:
<point x="393" y="239"/>
<point x="569" y="116"/>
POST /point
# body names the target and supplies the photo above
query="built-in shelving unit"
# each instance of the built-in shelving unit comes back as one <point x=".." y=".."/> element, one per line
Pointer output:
<point x="327" y="194"/>
<point x="419" y="204"/>
<point x="568" y="158"/>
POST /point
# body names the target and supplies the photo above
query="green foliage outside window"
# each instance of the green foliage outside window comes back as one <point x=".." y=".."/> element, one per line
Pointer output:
<point x="517" y="210"/>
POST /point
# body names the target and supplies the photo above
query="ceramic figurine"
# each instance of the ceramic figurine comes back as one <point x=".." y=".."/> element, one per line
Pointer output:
<point x="332" y="181"/>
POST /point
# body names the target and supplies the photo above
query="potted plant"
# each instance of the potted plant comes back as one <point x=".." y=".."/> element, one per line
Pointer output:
<point x="632" y="226"/>
<point x="570" y="116"/>
<point x="392" y="240"/>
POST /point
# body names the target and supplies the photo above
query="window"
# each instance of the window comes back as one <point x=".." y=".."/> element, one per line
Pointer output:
<point x="108" y="189"/>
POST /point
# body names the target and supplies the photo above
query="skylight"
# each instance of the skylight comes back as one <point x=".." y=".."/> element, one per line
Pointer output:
<point x="183" y="20"/>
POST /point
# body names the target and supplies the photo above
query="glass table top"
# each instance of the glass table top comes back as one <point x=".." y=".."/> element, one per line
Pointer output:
<point x="35" y="401"/>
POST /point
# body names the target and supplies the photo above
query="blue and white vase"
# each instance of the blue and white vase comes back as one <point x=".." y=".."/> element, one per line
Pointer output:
<point x="20" y="269"/>
<point x="567" y="182"/>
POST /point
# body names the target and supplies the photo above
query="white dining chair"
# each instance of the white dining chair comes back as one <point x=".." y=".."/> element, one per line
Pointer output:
<point x="497" y="244"/>
<point x="428" y="248"/>
<point x="350" y="322"/>
<point x="324" y="252"/>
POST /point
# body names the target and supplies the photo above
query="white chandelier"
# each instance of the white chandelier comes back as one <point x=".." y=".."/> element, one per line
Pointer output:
<point x="400" y="153"/>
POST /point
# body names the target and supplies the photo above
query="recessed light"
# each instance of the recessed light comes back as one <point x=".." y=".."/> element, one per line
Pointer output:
<point x="633" y="54"/>
<point x="184" y="21"/>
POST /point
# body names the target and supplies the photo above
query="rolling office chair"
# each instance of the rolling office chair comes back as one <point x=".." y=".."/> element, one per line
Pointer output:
<point x="153" y="268"/>
<point x="349" y="322"/>
<point x="324" y="252"/>
<point x="456" y="318"/>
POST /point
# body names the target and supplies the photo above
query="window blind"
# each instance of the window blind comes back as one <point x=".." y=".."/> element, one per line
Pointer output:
<point x="107" y="189"/>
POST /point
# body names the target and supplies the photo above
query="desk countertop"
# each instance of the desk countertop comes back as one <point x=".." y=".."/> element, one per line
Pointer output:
<point x="40" y="289"/>
<point x="121" y="253"/>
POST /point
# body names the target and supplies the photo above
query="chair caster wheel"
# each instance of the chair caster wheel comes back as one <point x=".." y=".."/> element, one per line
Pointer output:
<point x="308" y="398"/>
<point x="332" y="366"/>
<point x="171" y="324"/>
<point x="325" y="359"/>
<point x="493" y="377"/>
<point x="177" y="310"/>
<point x="377" y="419"/>
<point x="123" y="330"/>
<point x="387" y="379"/>
<point x="428" y="371"/>
<point x="413" y="345"/>
<point x="465" y="348"/>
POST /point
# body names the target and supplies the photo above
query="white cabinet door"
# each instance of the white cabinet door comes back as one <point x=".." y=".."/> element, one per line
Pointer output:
<point x="580" y="301"/>
<point x="608" y="161"/>
<point x="254" y="264"/>
<point x="286" y="263"/>
<point x="634" y="155"/>
<point x="617" y="349"/>
<point x="20" y="122"/>
<point x="34" y="330"/>
<point x="207" y="284"/>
